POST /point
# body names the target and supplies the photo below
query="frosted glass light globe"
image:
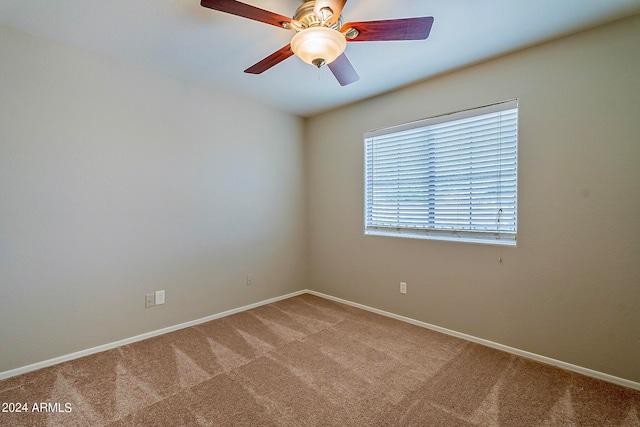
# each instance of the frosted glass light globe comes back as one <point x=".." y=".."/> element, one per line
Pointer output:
<point x="318" y="45"/>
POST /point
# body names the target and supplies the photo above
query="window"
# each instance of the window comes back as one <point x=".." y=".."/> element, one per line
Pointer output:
<point x="452" y="177"/>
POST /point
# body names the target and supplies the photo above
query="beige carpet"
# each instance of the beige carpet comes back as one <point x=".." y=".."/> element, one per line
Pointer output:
<point x="307" y="361"/>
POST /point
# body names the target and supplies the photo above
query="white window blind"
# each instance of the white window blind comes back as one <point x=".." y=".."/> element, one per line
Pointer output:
<point x="448" y="177"/>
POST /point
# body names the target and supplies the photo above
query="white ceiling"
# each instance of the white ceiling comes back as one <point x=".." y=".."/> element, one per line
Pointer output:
<point x="180" y="38"/>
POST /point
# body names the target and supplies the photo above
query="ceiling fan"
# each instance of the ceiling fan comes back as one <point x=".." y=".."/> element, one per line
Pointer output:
<point x="320" y="37"/>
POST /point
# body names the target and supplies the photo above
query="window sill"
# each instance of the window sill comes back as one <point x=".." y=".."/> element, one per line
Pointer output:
<point x="488" y="239"/>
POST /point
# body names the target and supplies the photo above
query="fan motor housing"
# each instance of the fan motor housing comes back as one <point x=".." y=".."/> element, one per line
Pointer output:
<point x="308" y="18"/>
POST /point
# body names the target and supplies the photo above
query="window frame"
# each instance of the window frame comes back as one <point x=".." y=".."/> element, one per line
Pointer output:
<point x="499" y="237"/>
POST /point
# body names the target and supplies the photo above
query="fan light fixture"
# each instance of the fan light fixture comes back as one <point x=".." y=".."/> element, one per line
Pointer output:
<point x="318" y="45"/>
<point x="321" y="37"/>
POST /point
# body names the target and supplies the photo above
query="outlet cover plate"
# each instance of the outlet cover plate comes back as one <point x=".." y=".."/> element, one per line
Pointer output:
<point x="403" y="287"/>
<point x="159" y="297"/>
<point x="149" y="301"/>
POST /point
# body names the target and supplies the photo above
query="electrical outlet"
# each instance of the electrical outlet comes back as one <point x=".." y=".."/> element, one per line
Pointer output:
<point x="159" y="297"/>
<point x="149" y="301"/>
<point x="249" y="279"/>
<point x="403" y="287"/>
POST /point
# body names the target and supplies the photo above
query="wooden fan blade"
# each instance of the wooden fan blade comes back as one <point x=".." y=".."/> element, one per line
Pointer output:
<point x="391" y="29"/>
<point x="246" y="11"/>
<point x="271" y="60"/>
<point x="336" y="7"/>
<point x="343" y="70"/>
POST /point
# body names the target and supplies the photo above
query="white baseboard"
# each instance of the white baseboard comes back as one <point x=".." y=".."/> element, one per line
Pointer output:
<point x="98" y="349"/>
<point x="533" y="356"/>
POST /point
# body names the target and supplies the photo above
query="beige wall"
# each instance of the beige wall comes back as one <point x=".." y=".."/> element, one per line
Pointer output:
<point x="115" y="182"/>
<point x="571" y="288"/>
